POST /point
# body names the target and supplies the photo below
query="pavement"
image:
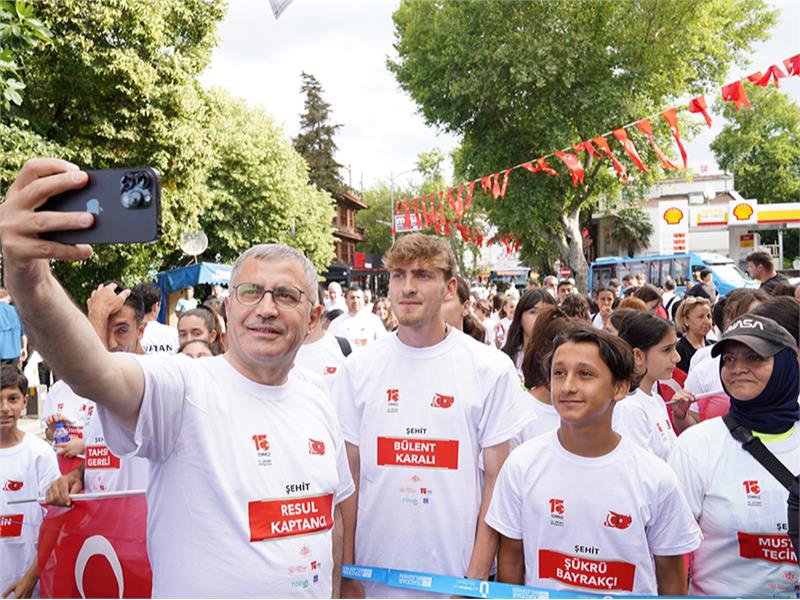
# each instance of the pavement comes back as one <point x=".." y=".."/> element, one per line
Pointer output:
<point x="31" y="425"/>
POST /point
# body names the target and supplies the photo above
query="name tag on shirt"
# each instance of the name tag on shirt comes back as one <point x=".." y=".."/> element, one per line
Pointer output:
<point x="586" y="572"/>
<point x="415" y="452"/>
<point x="765" y="546"/>
<point x="294" y="516"/>
<point x="11" y="525"/>
<point x="100" y="457"/>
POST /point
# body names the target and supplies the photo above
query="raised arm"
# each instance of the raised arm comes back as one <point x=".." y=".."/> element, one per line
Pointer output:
<point x="63" y="335"/>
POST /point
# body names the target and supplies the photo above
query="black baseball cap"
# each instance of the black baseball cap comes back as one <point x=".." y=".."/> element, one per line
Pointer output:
<point x="758" y="333"/>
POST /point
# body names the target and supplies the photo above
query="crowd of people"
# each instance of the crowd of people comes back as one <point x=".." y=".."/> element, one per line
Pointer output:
<point x="627" y="441"/>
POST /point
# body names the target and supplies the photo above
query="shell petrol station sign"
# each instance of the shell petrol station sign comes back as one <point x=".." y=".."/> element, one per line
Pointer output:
<point x="743" y="213"/>
<point x="673" y="226"/>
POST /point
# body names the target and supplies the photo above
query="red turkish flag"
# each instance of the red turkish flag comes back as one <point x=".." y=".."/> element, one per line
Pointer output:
<point x="574" y="165"/>
<point x="416" y="214"/>
<point x="541" y="165"/>
<point x="587" y="145"/>
<point x="460" y="202"/>
<point x="442" y="218"/>
<point x="486" y="184"/>
<point x="671" y="116"/>
<point x="426" y="218"/>
<point x="470" y="191"/>
<point x="792" y="65"/>
<point x="646" y="128"/>
<point x="95" y="549"/>
<point x="450" y="200"/>
<point x="407" y="215"/>
<point x="734" y="92"/>
<point x="601" y="143"/>
<point x="626" y="142"/>
<point x="698" y="105"/>
<point x="774" y="73"/>
<point x="501" y="188"/>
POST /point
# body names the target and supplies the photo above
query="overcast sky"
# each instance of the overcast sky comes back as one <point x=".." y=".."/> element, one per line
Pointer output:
<point x="345" y="44"/>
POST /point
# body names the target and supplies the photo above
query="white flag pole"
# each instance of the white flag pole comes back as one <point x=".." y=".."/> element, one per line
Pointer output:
<point x="92" y="496"/>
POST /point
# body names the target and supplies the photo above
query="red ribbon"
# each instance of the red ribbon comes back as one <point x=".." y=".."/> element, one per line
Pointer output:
<point x="541" y="165"/>
<point x="647" y="129"/>
<point x="504" y="185"/>
<point x="459" y="203"/>
<point x="574" y="165"/>
<point x="671" y="116"/>
<point x="496" y="186"/>
<point x="450" y="201"/>
<point x="792" y="65"/>
<point x="427" y="219"/>
<point x="407" y="215"/>
<point x="486" y="184"/>
<point x="698" y="105"/>
<point x="416" y="214"/>
<point x="734" y="92"/>
<point x="601" y="143"/>
<point x="626" y="142"/>
<point x="442" y="218"/>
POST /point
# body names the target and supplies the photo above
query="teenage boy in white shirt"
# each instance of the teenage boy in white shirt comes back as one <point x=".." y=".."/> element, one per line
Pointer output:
<point x="248" y="465"/>
<point x="582" y="508"/>
<point x="418" y="412"/>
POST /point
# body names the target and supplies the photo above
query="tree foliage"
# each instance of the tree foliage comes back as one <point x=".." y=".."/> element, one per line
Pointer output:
<point x="517" y="80"/>
<point x="632" y="229"/>
<point x="259" y="188"/>
<point x="315" y="141"/>
<point x="20" y="33"/>
<point x="761" y="147"/>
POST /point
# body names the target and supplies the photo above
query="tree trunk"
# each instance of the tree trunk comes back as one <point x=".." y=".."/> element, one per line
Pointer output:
<point x="571" y="243"/>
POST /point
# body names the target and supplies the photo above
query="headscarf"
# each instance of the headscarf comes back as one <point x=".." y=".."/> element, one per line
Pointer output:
<point x="775" y="409"/>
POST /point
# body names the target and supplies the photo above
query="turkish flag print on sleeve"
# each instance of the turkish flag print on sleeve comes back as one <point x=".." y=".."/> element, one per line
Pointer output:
<point x="89" y="551"/>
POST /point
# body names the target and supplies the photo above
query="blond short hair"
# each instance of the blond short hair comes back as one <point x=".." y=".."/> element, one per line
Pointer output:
<point x="425" y="248"/>
<point x="686" y="306"/>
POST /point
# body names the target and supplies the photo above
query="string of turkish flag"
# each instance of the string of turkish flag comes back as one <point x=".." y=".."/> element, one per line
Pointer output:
<point x="429" y="209"/>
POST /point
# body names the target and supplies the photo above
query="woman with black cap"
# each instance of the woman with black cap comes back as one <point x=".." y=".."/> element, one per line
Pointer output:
<point x="739" y="504"/>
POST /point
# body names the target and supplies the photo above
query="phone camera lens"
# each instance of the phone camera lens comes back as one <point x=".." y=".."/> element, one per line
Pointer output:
<point x="126" y="182"/>
<point x="132" y="199"/>
<point x="142" y="180"/>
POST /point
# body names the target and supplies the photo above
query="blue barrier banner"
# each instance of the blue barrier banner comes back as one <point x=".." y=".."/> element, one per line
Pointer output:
<point x="471" y="588"/>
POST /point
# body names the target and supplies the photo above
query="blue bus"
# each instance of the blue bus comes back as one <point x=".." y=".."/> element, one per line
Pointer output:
<point x="682" y="268"/>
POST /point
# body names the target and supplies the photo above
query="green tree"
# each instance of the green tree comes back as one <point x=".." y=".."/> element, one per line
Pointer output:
<point x="632" y="229"/>
<point x="118" y="87"/>
<point x="259" y="187"/>
<point x="761" y="147"/>
<point x="315" y="141"/>
<point x="517" y="80"/>
<point x="20" y="33"/>
<point x="376" y="220"/>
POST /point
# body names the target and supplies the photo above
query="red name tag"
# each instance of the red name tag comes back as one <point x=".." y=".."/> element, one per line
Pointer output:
<point x="586" y="572"/>
<point x="75" y="431"/>
<point x="100" y="457"/>
<point x="414" y="452"/>
<point x="294" y="516"/>
<point x="10" y="525"/>
<point x="765" y="546"/>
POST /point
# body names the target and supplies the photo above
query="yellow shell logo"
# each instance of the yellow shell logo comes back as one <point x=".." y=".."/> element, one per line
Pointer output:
<point x="673" y="215"/>
<point x="742" y="211"/>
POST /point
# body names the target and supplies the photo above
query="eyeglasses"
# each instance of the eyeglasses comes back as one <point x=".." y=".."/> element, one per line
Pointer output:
<point x="285" y="296"/>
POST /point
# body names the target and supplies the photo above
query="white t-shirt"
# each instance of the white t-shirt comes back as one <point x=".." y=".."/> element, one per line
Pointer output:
<point x="545" y="419"/>
<point x="704" y="376"/>
<point x="323" y="357"/>
<point x="421" y="417"/>
<point x="104" y="471"/>
<point x="741" y="510"/>
<point x="160" y="339"/>
<point x="488" y="327"/>
<point x="76" y="409"/>
<point x="26" y="471"/>
<point x="591" y="524"/>
<point x="597" y="321"/>
<point x="338" y="304"/>
<point x="644" y="420"/>
<point x="501" y="331"/>
<point x="360" y="330"/>
<point x="244" y="478"/>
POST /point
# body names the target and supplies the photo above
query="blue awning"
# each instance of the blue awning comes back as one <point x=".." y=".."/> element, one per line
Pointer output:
<point x="178" y="279"/>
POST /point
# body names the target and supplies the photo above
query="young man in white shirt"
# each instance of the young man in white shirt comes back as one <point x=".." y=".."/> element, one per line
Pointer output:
<point x="581" y="508"/>
<point x="358" y="325"/>
<point x="418" y="412"/>
<point x="157" y="338"/>
<point x="248" y="465"/>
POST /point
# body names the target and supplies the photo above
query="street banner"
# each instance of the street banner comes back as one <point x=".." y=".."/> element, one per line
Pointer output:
<point x="95" y="549"/>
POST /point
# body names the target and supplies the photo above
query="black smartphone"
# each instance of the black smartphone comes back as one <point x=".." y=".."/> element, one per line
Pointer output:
<point x="126" y="204"/>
